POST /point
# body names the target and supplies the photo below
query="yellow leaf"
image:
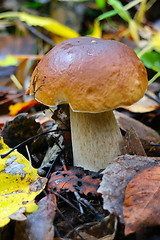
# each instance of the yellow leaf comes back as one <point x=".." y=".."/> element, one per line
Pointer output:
<point x="155" y="42"/>
<point x="18" y="186"/>
<point x="133" y="28"/>
<point x="45" y="22"/>
<point x="141" y="11"/>
<point x="8" y="60"/>
<point x="97" y="32"/>
<point x="19" y="107"/>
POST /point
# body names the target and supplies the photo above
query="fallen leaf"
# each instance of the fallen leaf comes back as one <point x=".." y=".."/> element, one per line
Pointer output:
<point x="141" y="206"/>
<point x="145" y="133"/>
<point x="28" y="57"/>
<point x="21" y="128"/>
<point x="19" y="214"/>
<point x="18" y="186"/>
<point x="45" y="22"/>
<point x="82" y="181"/>
<point x="52" y="152"/>
<point x="116" y="178"/>
<point x="144" y="105"/>
<point x="155" y="42"/>
<point x="97" y="32"/>
<point x="132" y="144"/>
<point x="22" y="72"/>
<point x="20" y="107"/>
<point x="8" y="60"/>
<point x="104" y="230"/>
<point x="39" y="224"/>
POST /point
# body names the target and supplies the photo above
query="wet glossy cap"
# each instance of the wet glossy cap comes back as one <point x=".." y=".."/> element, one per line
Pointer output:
<point x="92" y="75"/>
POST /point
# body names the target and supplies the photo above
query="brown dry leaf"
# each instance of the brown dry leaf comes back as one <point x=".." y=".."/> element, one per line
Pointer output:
<point x="116" y="178"/>
<point x="22" y="57"/>
<point x="22" y="71"/>
<point x="3" y="119"/>
<point x="82" y="181"/>
<point x="104" y="230"/>
<point x="144" y="105"/>
<point x="39" y="225"/>
<point x="144" y="132"/>
<point x="132" y="144"/>
<point x="19" y="215"/>
<point x="141" y="206"/>
<point x="9" y="98"/>
<point x="11" y="44"/>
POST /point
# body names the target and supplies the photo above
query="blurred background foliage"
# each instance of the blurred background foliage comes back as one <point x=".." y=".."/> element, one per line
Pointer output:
<point x="29" y="29"/>
<point x="136" y="23"/>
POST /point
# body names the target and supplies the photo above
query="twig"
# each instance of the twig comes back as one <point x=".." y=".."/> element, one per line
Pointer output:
<point x="65" y="200"/>
<point x="34" y="31"/>
<point x="96" y="212"/>
<point x="154" y="99"/>
<point x="79" y="204"/>
<point x="11" y="98"/>
<point x="57" y="158"/>
<point x="69" y="224"/>
<point x="154" y="144"/>
<point x="31" y="138"/>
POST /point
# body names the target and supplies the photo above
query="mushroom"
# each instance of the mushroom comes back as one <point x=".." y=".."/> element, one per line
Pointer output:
<point x="94" y="76"/>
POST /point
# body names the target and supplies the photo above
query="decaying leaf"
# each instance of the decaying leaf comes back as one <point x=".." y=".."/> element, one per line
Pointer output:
<point x="18" y="186"/>
<point x="39" y="224"/>
<point x="132" y="143"/>
<point x="52" y="152"/>
<point x="116" y="178"/>
<point x="145" y="133"/>
<point x="144" y="105"/>
<point x="21" y="128"/>
<point x="104" y="230"/>
<point x="82" y="181"/>
<point x="141" y="206"/>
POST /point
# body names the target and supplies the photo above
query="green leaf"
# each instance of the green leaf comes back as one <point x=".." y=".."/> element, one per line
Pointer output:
<point x="151" y="60"/>
<point x="101" y="3"/>
<point x="117" y="5"/>
<point x="114" y="12"/>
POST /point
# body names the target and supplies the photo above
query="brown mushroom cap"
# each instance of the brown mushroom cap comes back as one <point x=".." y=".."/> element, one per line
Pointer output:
<point x="92" y="75"/>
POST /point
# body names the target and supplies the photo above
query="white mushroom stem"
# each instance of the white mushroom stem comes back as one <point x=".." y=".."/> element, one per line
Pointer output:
<point x="96" y="139"/>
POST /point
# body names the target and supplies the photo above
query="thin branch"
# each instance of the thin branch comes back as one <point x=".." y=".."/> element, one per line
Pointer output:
<point x="31" y="138"/>
<point x="35" y="32"/>
<point x="153" y="98"/>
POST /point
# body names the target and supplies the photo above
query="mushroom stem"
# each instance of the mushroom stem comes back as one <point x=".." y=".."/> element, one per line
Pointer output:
<point x="96" y="139"/>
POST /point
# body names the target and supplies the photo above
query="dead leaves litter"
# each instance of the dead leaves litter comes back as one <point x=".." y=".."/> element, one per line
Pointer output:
<point x="116" y="178"/>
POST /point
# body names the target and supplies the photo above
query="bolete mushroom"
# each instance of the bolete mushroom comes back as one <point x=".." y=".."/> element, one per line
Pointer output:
<point x="94" y="76"/>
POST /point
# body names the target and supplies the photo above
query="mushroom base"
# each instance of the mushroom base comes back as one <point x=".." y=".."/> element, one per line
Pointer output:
<point x="96" y="139"/>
